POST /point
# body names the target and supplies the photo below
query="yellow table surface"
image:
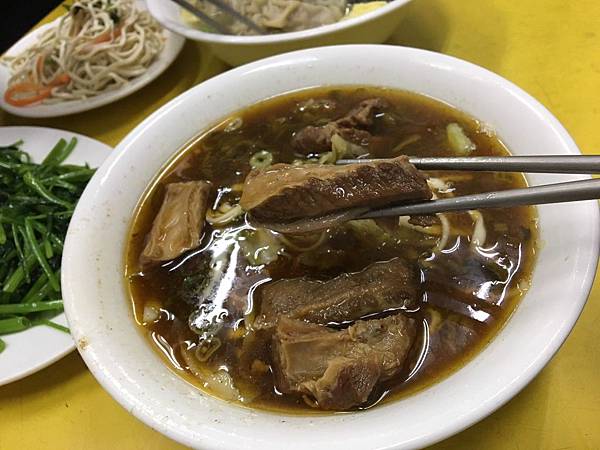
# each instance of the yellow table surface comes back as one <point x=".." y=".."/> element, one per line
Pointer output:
<point x="551" y="48"/>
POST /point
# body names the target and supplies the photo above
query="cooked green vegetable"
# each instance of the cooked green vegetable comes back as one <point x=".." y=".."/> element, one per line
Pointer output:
<point x="14" y="324"/>
<point x="51" y="324"/>
<point x="36" y="204"/>
<point x="24" y="308"/>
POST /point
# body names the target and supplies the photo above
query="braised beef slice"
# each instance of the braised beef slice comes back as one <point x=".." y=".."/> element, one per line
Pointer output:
<point x="448" y="340"/>
<point x="379" y="287"/>
<point x="284" y="193"/>
<point x="313" y="139"/>
<point x="352" y="127"/>
<point x="178" y="225"/>
<point x="391" y="224"/>
<point x="363" y="115"/>
<point x="424" y="220"/>
<point x="339" y="369"/>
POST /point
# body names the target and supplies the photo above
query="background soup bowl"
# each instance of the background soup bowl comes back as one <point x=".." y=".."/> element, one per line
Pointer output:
<point x="370" y="28"/>
<point x="100" y="315"/>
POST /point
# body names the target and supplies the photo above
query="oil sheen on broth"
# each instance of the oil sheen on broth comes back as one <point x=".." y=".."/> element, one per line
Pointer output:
<point x="468" y="289"/>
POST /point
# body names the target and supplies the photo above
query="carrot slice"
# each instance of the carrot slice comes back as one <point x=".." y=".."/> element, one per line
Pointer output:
<point x="34" y="92"/>
<point x="40" y="66"/>
<point x="107" y="36"/>
<point x="38" y="93"/>
<point x="59" y="80"/>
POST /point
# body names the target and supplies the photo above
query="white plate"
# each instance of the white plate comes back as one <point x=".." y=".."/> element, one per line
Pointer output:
<point x="173" y="45"/>
<point x="38" y="347"/>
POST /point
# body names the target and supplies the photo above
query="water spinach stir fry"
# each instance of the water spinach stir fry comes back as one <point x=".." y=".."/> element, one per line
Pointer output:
<point x="36" y="204"/>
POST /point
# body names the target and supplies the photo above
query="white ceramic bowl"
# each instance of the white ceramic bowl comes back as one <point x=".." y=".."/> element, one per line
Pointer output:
<point x="371" y="28"/>
<point x="100" y="315"/>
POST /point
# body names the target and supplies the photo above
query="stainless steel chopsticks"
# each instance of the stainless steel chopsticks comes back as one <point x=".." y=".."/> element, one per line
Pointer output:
<point x="570" y="191"/>
<point x="236" y="15"/>
<point x="531" y="164"/>
<point x="200" y="15"/>
<point x="226" y="9"/>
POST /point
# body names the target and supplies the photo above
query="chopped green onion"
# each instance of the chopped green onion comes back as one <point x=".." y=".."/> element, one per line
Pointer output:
<point x="261" y="160"/>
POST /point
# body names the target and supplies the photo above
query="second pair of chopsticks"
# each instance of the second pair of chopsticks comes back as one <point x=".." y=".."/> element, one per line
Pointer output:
<point x="226" y="9"/>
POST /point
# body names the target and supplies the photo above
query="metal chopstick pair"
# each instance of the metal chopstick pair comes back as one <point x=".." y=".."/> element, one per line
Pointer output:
<point x="224" y="7"/>
<point x="584" y="164"/>
<point x="553" y="193"/>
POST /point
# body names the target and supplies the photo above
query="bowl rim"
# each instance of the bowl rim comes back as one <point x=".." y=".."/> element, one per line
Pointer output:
<point x="154" y="6"/>
<point x="463" y="421"/>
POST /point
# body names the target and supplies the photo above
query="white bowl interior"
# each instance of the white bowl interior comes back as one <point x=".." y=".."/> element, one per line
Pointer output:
<point x="100" y="315"/>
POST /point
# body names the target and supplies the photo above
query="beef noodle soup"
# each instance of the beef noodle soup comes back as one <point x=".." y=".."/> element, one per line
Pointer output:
<point x="337" y="314"/>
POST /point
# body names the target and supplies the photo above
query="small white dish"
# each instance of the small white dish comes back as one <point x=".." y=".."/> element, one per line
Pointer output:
<point x="121" y="358"/>
<point x="38" y="347"/>
<point x="173" y="45"/>
<point x="370" y="28"/>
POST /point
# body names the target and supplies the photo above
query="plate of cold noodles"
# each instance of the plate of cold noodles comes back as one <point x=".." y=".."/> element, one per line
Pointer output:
<point x="97" y="52"/>
<point x="345" y="316"/>
<point x="42" y="174"/>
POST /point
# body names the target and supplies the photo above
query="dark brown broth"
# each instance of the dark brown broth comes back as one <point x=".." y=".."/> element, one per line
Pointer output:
<point x="492" y="283"/>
